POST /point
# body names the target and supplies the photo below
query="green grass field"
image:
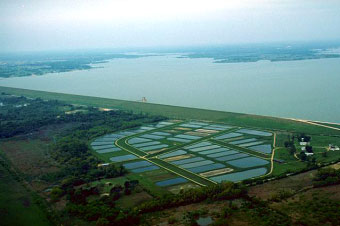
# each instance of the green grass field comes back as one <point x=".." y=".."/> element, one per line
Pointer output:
<point x="17" y="205"/>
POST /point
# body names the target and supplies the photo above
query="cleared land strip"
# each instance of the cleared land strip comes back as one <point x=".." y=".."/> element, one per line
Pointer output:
<point x="254" y="153"/>
<point x="272" y="158"/>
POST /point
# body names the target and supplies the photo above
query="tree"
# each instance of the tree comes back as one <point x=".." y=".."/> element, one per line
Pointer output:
<point x="303" y="156"/>
<point x="309" y="149"/>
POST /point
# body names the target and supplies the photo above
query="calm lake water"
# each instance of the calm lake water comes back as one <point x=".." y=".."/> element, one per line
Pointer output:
<point x="308" y="89"/>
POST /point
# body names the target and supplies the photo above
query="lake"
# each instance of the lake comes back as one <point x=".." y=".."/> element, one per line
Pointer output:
<point x="306" y="89"/>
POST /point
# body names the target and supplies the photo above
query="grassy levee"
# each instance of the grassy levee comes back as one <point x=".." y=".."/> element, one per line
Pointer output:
<point x="122" y="144"/>
<point x="246" y="120"/>
<point x="182" y="172"/>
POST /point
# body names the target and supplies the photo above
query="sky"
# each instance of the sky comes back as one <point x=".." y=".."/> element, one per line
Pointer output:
<point x="34" y="25"/>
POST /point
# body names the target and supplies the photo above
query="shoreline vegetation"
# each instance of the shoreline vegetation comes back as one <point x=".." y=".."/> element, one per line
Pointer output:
<point x="40" y="63"/>
<point x="178" y="112"/>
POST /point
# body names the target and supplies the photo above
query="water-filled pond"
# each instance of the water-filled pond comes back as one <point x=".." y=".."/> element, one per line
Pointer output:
<point x="154" y="147"/>
<point x="179" y="140"/>
<point x="231" y="157"/>
<point x="243" y="141"/>
<point x="248" y="162"/>
<point x="150" y="136"/>
<point x="137" y="140"/>
<point x="201" y="144"/>
<point x="234" y="177"/>
<point x="138" y="164"/>
<point x="144" y="169"/>
<point x="205" y="168"/>
<point x="211" y="151"/>
<point x="255" y="132"/>
<point x="264" y="148"/>
<point x="220" y="154"/>
<point x="175" y="153"/>
<point x="228" y="135"/>
<point x="139" y="145"/>
<point x="189" y="137"/>
<point x="204" y="148"/>
<point x="195" y="164"/>
<point x="123" y="158"/>
<point x="184" y="161"/>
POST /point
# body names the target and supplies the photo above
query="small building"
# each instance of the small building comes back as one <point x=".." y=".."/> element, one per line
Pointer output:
<point x="302" y="143"/>
<point x="303" y="148"/>
<point x="332" y="147"/>
<point x="309" y="153"/>
<point x="103" y="164"/>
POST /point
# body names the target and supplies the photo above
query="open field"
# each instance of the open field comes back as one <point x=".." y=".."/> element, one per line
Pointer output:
<point x="17" y="206"/>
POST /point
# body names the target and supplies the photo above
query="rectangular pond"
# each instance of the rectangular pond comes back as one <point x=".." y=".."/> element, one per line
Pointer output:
<point x="137" y="140"/>
<point x="102" y="139"/>
<point x="154" y="137"/>
<point x="145" y="169"/>
<point x="195" y="164"/>
<point x="190" y="125"/>
<point x="212" y="151"/>
<point x="204" y="148"/>
<point x="201" y="144"/>
<point x="126" y="133"/>
<point x="146" y="128"/>
<point x="220" y="154"/>
<point x="228" y="135"/>
<point x="108" y="150"/>
<point x="104" y="147"/>
<point x="184" y="161"/>
<point x="214" y="128"/>
<point x="221" y="126"/>
<point x="255" y="132"/>
<point x="231" y="157"/>
<point x="96" y="143"/>
<point x="173" y="181"/>
<point x="179" y="140"/>
<point x="251" y="144"/>
<point x="234" y="177"/>
<point x="161" y="133"/>
<point x="248" y="162"/>
<point x="174" y="153"/>
<point x="264" y="148"/>
<point x="123" y="158"/>
<point x="139" y="145"/>
<point x="138" y="164"/>
<point x="114" y="135"/>
<point x="243" y="141"/>
<point x="205" y="168"/>
<point x="199" y="123"/>
<point x="189" y="137"/>
<point x="154" y="147"/>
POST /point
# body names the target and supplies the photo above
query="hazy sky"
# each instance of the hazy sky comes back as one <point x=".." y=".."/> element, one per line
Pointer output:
<point x="74" y="24"/>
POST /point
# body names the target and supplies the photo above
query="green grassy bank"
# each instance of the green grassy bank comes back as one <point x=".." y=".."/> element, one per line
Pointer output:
<point x="247" y="120"/>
